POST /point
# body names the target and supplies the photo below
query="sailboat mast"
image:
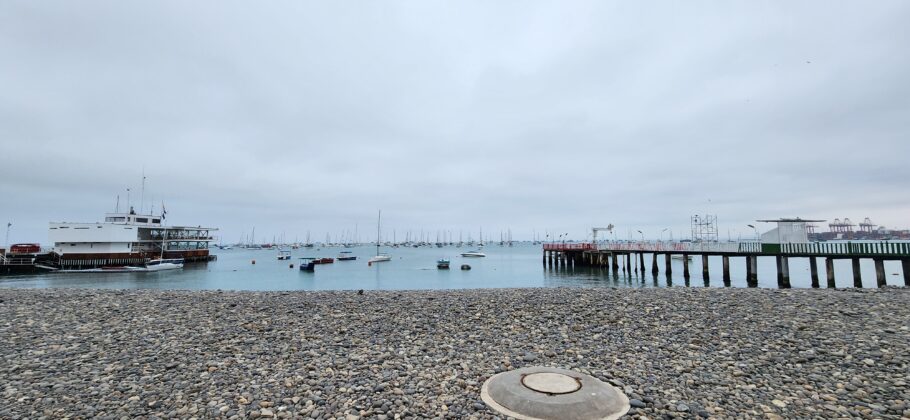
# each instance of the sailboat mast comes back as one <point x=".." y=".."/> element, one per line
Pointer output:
<point x="163" y="243"/>
<point x="378" y="231"/>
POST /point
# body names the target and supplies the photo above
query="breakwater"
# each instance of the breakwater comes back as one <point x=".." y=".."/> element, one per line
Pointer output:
<point x="682" y="352"/>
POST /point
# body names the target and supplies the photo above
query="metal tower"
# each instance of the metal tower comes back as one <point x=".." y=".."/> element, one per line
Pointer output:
<point x="704" y="228"/>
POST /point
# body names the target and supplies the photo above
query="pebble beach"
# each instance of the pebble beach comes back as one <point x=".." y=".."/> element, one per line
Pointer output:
<point x="675" y="352"/>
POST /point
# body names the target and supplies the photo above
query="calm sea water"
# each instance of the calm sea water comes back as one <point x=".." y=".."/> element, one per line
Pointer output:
<point x="415" y="268"/>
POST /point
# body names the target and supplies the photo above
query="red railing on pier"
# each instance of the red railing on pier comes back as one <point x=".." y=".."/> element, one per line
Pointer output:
<point x="882" y="248"/>
<point x="568" y="247"/>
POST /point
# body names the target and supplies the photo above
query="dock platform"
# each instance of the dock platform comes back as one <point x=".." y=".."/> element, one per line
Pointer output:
<point x="610" y="254"/>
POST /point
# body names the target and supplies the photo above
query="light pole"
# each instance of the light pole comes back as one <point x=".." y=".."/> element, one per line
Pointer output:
<point x="757" y="238"/>
<point x="642" y="236"/>
<point x="662" y="234"/>
<point x="6" y="242"/>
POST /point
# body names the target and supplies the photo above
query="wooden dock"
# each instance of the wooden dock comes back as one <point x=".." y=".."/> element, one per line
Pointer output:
<point x="611" y="254"/>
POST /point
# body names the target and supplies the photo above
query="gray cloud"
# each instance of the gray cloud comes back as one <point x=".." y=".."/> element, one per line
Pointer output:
<point x="297" y="116"/>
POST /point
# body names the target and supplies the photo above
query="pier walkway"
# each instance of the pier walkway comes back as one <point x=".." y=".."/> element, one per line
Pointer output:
<point x="609" y="254"/>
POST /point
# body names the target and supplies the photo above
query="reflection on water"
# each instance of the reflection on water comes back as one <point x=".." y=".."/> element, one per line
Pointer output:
<point x="415" y="268"/>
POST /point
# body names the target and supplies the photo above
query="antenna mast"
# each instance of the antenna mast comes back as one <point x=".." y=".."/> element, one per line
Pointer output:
<point x="142" y="192"/>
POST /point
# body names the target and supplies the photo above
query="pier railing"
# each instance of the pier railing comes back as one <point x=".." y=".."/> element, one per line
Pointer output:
<point x="882" y="248"/>
<point x="845" y="248"/>
<point x="654" y="246"/>
<point x="556" y="246"/>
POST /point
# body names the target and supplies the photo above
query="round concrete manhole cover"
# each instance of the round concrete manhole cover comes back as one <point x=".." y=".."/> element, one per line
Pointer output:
<point x="551" y="383"/>
<point x="544" y="393"/>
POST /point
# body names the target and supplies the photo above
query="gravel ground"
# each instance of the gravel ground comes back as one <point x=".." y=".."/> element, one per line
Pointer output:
<point x="687" y="353"/>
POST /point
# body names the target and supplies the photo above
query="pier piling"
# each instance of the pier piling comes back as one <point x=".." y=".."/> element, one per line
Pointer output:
<point x="654" y="269"/>
<point x="726" y="263"/>
<point x="857" y="275"/>
<point x="685" y="259"/>
<point x="629" y="263"/>
<point x="813" y="267"/>
<point x="905" y="266"/>
<point x="615" y="264"/>
<point x="641" y="260"/>
<point x="751" y="271"/>
<point x="704" y="267"/>
<point x="780" y="272"/>
<point x="785" y="264"/>
<point x="880" y="279"/>
<point x="829" y="270"/>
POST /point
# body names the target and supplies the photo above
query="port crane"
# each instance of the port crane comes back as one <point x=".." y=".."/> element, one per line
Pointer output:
<point x="594" y="230"/>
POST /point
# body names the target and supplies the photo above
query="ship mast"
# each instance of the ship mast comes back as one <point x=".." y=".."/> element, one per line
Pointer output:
<point x="142" y="192"/>
<point x="378" y="232"/>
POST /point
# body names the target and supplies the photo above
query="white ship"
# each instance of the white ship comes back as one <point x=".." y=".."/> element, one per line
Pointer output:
<point x="127" y="242"/>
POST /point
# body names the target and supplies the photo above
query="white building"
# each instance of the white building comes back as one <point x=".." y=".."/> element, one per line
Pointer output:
<point x="788" y="231"/>
<point x="127" y="236"/>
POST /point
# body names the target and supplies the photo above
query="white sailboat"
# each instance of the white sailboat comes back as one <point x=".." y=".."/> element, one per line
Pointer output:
<point x="379" y="257"/>
<point x="162" y="263"/>
<point x="477" y="253"/>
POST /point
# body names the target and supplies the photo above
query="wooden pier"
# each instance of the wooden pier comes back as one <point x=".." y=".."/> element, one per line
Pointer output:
<point x="613" y="255"/>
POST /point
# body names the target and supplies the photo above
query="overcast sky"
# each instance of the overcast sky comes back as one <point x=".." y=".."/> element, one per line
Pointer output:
<point x="535" y="116"/>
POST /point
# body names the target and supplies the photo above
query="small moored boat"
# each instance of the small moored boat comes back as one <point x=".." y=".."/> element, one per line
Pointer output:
<point x="442" y="264"/>
<point x="346" y="256"/>
<point x="473" y="254"/>
<point x="307" y="264"/>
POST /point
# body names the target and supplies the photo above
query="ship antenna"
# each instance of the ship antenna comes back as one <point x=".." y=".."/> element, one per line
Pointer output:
<point x="142" y="193"/>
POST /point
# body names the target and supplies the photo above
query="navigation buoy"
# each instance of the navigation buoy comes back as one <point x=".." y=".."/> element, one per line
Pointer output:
<point x="253" y="262"/>
<point x="291" y="266"/>
<point x="465" y="267"/>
